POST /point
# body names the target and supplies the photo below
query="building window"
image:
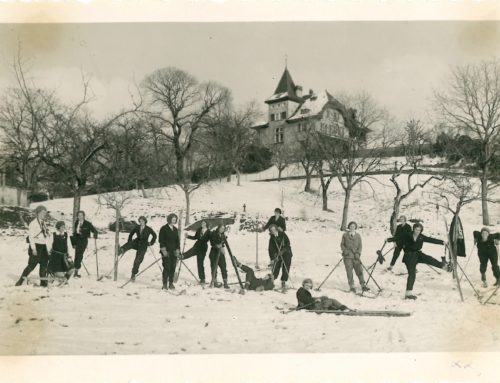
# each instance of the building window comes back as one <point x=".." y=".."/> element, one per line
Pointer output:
<point x="278" y="135"/>
<point x="304" y="111"/>
<point x="272" y="116"/>
<point x="283" y="115"/>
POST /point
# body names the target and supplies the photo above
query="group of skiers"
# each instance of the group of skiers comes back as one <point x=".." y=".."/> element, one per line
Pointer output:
<point x="408" y="239"/>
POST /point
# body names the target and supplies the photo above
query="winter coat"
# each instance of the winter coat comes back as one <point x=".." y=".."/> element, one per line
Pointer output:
<point x="456" y="236"/>
<point x="60" y="261"/>
<point x="83" y="232"/>
<point x="401" y="232"/>
<point x="201" y="239"/>
<point x="486" y="248"/>
<point x="351" y="245"/>
<point x="305" y="299"/>
<point x="280" y="222"/>
<point x="279" y="244"/>
<point x="217" y="243"/>
<point x="142" y="239"/>
<point x="169" y="239"/>
<point x="412" y="247"/>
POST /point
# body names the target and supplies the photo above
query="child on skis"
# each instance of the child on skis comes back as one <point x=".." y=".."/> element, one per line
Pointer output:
<point x="252" y="282"/>
<point x="38" y="254"/>
<point x="80" y="239"/>
<point x="170" y="245"/>
<point x="60" y="264"/>
<point x="351" y="247"/>
<point x="281" y="254"/>
<point x="200" y="247"/>
<point x="413" y="255"/>
<point x="487" y="251"/>
<point x="308" y="302"/>
<point x="218" y="256"/>
<point x="142" y="232"/>
<point x="403" y="229"/>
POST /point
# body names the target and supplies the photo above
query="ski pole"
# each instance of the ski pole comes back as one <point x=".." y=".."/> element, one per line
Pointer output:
<point x="156" y="259"/>
<point x="151" y="265"/>
<point x="374" y="281"/>
<point x="111" y="271"/>
<point x="466" y="263"/>
<point x="491" y="296"/>
<point x="85" y="267"/>
<point x="280" y="255"/>
<point x="330" y="273"/>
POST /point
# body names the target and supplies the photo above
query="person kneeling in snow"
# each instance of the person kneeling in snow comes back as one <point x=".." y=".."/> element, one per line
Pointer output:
<point x="308" y="302"/>
<point x="60" y="264"/>
<point x="252" y="282"/>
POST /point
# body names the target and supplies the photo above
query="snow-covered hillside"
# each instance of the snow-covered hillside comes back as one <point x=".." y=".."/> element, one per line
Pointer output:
<point x="91" y="317"/>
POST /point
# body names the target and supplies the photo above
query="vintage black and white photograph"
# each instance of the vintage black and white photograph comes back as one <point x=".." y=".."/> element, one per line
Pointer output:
<point x="249" y="187"/>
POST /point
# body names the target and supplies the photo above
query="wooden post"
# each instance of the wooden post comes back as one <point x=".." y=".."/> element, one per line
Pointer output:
<point x="257" y="243"/>
<point x="453" y="259"/>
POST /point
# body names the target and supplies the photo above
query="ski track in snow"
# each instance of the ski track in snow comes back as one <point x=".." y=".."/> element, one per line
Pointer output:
<point x="91" y="317"/>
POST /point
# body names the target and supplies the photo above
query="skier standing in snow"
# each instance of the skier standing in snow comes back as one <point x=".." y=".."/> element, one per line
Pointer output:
<point x="307" y="301"/>
<point x="170" y="245"/>
<point x="38" y="234"/>
<point x="80" y="239"/>
<point x="403" y="229"/>
<point x="487" y="251"/>
<point x="413" y="255"/>
<point x="279" y="221"/>
<point x="351" y="246"/>
<point x="252" y="282"/>
<point x="60" y="263"/>
<point x="218" y="256"/>
<point x="140" y="243"/>
<point x="200" y="247"/>
<point x="281" y="254"/>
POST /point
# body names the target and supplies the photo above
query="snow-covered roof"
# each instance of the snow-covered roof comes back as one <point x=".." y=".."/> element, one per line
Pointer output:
<point x="311" y="107"/>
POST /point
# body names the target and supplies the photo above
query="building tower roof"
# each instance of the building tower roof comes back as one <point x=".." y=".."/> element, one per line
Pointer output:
<point x="286" y="89"/>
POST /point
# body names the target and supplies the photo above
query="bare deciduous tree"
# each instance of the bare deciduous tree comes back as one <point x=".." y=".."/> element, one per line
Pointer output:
<point x="470" y="103"/>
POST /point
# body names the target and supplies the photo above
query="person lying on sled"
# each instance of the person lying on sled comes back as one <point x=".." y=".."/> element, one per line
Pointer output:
<point x="252" y="282"/>
<point x="308" y="302"/>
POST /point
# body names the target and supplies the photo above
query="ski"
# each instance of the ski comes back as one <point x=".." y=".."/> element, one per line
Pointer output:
<point x="382" y="313"/>
<point x="366" y="294"/>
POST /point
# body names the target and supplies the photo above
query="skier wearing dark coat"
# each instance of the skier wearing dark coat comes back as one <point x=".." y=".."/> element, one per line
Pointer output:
<point x="281" y="254"/>
<point x="170" y="245"/>
<point x="60" y="263"/>
<point x="279" y="221"/>
<point x="487" y="251"/>
<point x="200" y="247"/>
<point x="306" y="301"/>
<point x="80" y="239"/>
<point x="142" y="232"/>
<point x="413" y="255"/>
<point x="37" y="252"/>
<point x="218" y="255"/>
<point x="252" y="282"/>
<point x="402" y="230"/>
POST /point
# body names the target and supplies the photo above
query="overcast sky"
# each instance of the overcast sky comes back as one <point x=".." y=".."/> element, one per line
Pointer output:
<point x="399" y="63"/>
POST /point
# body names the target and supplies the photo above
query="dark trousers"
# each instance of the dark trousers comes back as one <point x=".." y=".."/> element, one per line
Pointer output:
<point x="221" y="264"/>
<point x="284" y="266"/>
<point x="80" y="247"/>
<point x="411" y="261"/>
<point x="395" y="255"/>
<point x="42" y="258"/>
<point x="169" y="263"/>
<point x="483" y="263"/>
<point x="139" y="255"/>
<point x="200" y="253"/>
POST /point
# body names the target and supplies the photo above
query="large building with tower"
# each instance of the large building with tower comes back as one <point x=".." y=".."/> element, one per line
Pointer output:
<point x="292" y="114"/>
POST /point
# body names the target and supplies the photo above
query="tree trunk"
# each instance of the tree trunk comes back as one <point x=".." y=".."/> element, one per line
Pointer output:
<point x="279" y="174"/>
<point x="484" y="198"/>
<point x="228" y="178"/>
<point x="117" y="242"/>
<point x="144" y="195"/>
<point x="187" y="196"/>
<point x="77" y="199"/>
<point x="238" y="177"/>
<point x="395" y="214"/>
<point x="345" y="211"/>
<point x="307" y="188"/>
<point x="324" y="194"/>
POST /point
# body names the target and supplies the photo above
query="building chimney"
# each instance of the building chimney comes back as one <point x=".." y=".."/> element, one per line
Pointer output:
<point x="298" y="90"/>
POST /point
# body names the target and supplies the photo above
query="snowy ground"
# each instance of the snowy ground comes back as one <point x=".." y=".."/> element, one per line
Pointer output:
<point x="91" y="317"/>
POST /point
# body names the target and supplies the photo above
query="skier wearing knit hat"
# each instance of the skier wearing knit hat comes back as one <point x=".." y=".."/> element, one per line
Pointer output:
<point x="487" y="251"/>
